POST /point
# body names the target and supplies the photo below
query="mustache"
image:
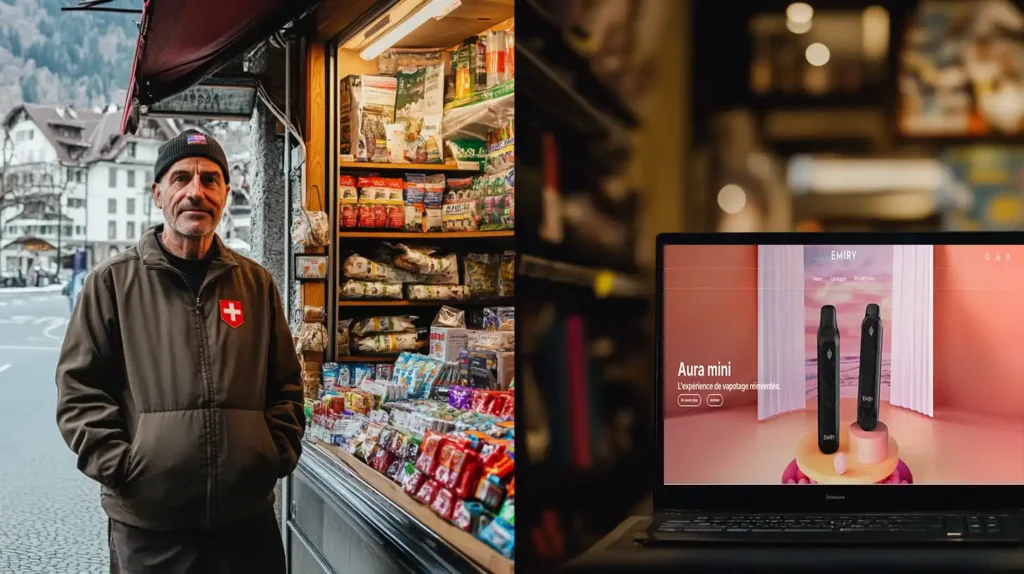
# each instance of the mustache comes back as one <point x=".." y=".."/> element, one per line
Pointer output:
<point x="194" y="206"/>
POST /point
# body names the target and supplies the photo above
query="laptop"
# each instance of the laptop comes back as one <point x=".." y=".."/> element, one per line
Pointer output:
<point x="840" y="388"/>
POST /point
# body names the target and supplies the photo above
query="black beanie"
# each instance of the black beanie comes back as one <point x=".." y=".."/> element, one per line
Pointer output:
<point x="189" y="143"/>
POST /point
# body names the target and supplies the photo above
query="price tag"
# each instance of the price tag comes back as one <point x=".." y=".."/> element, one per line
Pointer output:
<point x="468" y="165"/>
<point x="347" y="157"/>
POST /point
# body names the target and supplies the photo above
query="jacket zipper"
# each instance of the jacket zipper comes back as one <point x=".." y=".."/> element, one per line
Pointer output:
<point x="208" y="426"/>
<point x="206" y="371"/>
<point x="209" y="399"/>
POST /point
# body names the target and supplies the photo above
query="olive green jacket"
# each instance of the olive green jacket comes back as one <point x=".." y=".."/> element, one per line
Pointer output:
<point x="187" y="410"/>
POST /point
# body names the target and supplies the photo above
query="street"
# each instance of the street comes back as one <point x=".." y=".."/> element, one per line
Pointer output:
<point x="50" y="517"/>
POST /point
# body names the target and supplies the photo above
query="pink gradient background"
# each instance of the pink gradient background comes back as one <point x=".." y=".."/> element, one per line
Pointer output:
<point x="977" y="433"/>
<point x="850" y="298"/>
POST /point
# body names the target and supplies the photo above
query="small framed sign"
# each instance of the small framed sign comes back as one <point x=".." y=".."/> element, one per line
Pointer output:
<point x="310" y="267"/>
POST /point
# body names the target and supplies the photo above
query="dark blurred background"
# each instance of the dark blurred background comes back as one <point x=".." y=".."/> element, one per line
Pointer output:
<point x="647" y="116"/>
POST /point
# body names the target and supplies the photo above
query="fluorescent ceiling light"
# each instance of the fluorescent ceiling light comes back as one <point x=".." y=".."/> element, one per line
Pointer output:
<point x="432" y="9"/>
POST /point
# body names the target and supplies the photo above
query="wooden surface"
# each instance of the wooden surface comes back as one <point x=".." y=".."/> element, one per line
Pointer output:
<point x="631" y="527"/>
<point x="459" y="539"/>
<point x="402" y="166"/>
<point x="469" y="19"/>
<point x="417" y="235"/>
<point x="405" y="303"/>
<point x="821" y="467"/>
<point x="367" y="359"/>
<point x="333" y="16"/>
<point x="350" y="63"/>
<point x="314" y="293"/>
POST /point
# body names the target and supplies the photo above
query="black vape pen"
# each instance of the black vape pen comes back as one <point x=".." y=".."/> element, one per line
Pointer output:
<point x="870" y="368"/>
<point x="828" y="381"/>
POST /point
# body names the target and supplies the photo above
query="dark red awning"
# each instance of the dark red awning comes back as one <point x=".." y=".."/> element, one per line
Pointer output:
<point x="181" y="42"/>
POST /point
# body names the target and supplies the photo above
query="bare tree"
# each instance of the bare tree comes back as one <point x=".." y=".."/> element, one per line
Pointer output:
<point x="36" y="188"/>
<point x="11" y="190"/>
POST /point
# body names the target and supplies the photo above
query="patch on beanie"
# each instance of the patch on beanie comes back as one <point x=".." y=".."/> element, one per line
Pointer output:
<point x="196" y="139"/>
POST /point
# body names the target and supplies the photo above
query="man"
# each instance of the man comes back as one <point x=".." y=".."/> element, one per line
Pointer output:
<point x="179" y="387"/>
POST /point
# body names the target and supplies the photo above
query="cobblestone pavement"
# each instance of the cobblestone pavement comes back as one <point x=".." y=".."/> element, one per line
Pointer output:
<point x="50" y="518"/>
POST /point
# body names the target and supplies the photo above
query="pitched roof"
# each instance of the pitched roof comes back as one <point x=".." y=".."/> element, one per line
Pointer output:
<point x="100" y="139"/>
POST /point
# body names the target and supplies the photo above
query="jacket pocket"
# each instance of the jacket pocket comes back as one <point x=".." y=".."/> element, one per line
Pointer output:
<point x="166" y="479"/>
<point x="249" y="464"/>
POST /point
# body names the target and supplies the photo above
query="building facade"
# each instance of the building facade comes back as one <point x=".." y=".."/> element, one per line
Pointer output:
<point x="74" y="167"/>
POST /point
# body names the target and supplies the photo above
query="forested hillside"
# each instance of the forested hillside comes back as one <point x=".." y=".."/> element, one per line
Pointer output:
<point x="50" y="57"/>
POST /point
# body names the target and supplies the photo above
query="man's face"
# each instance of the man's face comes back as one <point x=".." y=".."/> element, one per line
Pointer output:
<point x="192" y="195"/>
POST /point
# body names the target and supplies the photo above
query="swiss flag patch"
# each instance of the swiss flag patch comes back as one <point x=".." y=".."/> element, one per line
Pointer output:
<point x="231" y="313"/>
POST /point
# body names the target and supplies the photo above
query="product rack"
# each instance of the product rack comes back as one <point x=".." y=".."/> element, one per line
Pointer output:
<point x="347" y="516"/>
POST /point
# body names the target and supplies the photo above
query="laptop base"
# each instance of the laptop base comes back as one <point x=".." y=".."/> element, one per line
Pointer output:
<point x="872" y="529"/>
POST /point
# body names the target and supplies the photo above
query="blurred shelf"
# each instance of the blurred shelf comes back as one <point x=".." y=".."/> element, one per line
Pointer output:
<point x="531" y="16"/>
<point x="894" y="205"/>
<point x="364" y="165"/>
<point x="508" y="301"/>
<point x="605" y="283"/>
<point x="563" y="100"/>
<point x="869" y="96"/>
<point x="367" y="359"/>
<point x="416" y="235"/>
<point x="989" y="139"/>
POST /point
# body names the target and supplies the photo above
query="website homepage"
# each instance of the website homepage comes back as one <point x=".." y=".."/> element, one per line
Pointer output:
<point x="843" y="364"/>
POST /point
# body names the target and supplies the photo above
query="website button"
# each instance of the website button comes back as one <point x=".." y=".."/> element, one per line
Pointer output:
<point x="688" y="400"/>
<point x="715" y="400"/>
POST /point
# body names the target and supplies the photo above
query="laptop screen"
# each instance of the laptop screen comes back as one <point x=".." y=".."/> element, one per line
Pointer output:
<point x="843" y="364"/>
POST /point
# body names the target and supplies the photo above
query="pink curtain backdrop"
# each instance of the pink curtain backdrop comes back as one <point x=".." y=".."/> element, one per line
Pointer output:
<point x="912" y="328"/>
<point x="780" y="311"/>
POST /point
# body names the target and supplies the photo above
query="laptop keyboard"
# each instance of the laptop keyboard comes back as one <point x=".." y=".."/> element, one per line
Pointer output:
<point x="928" y="525"/>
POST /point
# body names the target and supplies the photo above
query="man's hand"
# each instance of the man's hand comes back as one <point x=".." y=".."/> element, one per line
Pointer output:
<point x="88" y="415"/>
<point x="285" y="414"/>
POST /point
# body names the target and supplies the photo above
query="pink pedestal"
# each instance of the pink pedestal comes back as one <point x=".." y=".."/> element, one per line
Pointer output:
<point x="821" y="467"/>
<point x="869" y="447"/>
<point x="793" y="475"/>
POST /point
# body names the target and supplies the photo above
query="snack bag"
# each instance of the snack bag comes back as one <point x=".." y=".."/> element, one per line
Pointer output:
<point x="444" y="504"/>
<point x="508" y="511"/>
<point x="395" y="471"/>
<point x="367" y="199"/>
<point x="428" y="492"/>
<point x="499" y="535"/>
<point x="433" y="200"/>
<point x="481" y="273"/>
<point x="466" y="515"/>
<point x="348" y="202"/>
<point x="454" y="468"/>
<point x="413" y="201"/>
<point x="394" y="204"/>
<point x="381" y="196"/>
<point x="412" y="480"/>
<point x="490" y="492"/>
